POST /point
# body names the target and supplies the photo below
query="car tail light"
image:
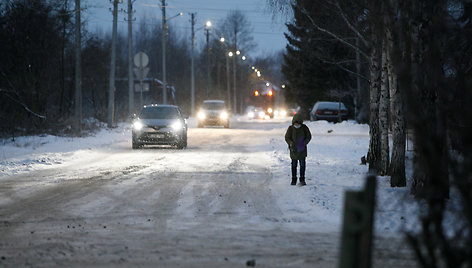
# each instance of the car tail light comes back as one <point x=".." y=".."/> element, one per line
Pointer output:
<point x="318" y="112"/>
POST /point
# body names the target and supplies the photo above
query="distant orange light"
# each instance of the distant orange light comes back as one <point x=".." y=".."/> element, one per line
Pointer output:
<point x="271" y="93"/>
<point x="256" y="93"/>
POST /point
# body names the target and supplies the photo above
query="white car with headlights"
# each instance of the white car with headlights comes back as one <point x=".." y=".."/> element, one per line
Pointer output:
<point x="159" y="125"/>
<point x="213" y="113"/>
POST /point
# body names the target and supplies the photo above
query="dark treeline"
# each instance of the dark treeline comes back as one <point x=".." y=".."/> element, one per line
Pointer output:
<point x="414" y="59"/>
<point x="37" y="68"/>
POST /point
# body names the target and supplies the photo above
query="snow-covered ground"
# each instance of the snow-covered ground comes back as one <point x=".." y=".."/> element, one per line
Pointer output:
<point x="251" y="149"/>
<point x="333" y="166"/>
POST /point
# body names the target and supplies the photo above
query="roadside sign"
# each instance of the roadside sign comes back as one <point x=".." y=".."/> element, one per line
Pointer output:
<point x="141" y="73"/>
<point x="141" y="60"/>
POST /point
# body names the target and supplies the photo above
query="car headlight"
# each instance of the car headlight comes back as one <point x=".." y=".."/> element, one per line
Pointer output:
<point x="269" y="110"/>
<point x="261" y="114"/>
<point x="137" y="125"/>
<point x="250" y="114"/>
<point x="283" y="113"/>
<point x="176" y="126"/>
<point x="224" y="115"/>
<point x="201" y="115"/>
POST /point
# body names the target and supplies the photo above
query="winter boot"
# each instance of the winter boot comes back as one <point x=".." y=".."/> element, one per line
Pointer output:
<point x="294" y="181"/>
<point x="302" y="181"/>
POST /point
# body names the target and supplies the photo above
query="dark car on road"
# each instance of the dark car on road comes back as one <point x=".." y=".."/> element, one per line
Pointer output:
<point x="159" y="125"/>
<point x="329" y="111"/>
<point x="213" y="113"/>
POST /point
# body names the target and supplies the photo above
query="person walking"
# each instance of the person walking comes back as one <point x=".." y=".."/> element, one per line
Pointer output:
<point x="298" y="135"/>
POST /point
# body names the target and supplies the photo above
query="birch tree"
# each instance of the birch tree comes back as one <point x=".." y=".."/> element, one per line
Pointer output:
<point x="383" y="113"/>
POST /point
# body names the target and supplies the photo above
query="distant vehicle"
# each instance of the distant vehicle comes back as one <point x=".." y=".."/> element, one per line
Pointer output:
<point x="280" y="112"/>
<point x="214" y="113"/>
<point x="329" y="111"/>
<point x="250" y="112"/>
<point x="159" y="125"/>
<point x="259" y="113"/>
<point x="293" y="111"/>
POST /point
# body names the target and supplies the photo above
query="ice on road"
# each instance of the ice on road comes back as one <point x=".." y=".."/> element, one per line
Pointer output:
<point x="222" y="201"/>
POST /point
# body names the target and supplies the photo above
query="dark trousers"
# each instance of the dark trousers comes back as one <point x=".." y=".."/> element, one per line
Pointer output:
<point x="302" y="167"/>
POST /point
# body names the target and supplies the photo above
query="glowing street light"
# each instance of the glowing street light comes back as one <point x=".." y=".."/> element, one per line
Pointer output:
<point x="243" y="57"/>
<point x="208" y="24"/>
<point x="230" y="53"/>
<point x="238" y="52"/>
<point x="283" y="86"/>
<point x="253" y="67"/>
<point x="267" y="84"/>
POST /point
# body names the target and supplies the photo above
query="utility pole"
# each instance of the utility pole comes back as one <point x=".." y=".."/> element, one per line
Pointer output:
<point x="78" y="71"/>
<point x="358" y="70"/>
<point x="164" y="29"/>
<point x="192" y="72"/>
<point x="208" y="61"/>
<point x="111" y="90"/>
<point x="234" y="70"/>
<point x="228" y="89"/>
<point x="130" y="58"/>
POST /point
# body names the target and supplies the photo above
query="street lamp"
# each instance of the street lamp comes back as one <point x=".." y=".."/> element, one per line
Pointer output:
<point x="222" y="40"/>
<point x="207" y="29"/>
<point x="243" y="57"/>
<point x="234" y="78"/>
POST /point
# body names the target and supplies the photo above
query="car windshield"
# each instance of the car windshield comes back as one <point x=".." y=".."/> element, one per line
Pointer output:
<point x="213" y="105"/>
<point x="155" y="112"/>
<point x="331" y="105"/>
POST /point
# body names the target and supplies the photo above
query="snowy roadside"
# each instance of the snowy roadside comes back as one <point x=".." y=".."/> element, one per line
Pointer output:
<point x="333" y="166"/>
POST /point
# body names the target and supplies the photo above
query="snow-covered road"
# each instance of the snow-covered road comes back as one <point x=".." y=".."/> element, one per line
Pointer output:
<point x="222" y="201"/>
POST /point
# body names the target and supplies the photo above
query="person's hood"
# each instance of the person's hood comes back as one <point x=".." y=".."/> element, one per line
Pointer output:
<point x="297" y="118"/>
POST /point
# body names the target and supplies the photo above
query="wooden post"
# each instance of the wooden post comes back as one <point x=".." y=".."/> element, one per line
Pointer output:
<point x="356" y="240"/>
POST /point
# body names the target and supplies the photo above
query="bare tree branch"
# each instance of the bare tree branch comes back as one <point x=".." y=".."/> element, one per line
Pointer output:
<point x="17" y="101"/>
<point x="338" y="64"/>
<point x="304" y="11"/>
<point x="22" y="104"/>
<point x="351" y="26"/>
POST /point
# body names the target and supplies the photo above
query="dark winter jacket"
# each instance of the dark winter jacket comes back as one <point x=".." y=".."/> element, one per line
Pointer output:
<point x="297" y="138"/>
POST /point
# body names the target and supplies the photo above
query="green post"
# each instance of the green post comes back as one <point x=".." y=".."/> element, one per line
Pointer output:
<point x="356" y="240"/>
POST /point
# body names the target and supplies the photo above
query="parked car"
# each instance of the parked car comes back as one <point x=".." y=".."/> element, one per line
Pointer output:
<point x="329" y="111"/>
<point x="293" y="111"/>
<point x="214" y="113"/>
<point x="159" y="125"/>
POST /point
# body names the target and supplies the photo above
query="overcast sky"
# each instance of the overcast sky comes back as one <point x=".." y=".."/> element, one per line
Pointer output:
<point x="268" y="33"/>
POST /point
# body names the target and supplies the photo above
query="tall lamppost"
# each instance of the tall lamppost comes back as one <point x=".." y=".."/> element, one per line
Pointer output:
<point x="207" y="29"/>
<point x="222" y="40"/>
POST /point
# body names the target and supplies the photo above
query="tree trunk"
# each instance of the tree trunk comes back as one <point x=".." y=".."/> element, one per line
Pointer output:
<point x="383" y="114"/>
<point x="373" y="156"/>
<point x="397" y="164"/>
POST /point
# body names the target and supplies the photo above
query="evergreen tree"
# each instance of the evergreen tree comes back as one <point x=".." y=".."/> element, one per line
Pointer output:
<point x="310" y="62"/>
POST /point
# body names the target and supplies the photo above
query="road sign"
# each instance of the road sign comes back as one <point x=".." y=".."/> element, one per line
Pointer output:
<point x="141" y="73"/>
<point x="141" y="60"/>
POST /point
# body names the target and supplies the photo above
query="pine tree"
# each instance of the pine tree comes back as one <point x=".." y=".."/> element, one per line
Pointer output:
<point x="309" y="61"/>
